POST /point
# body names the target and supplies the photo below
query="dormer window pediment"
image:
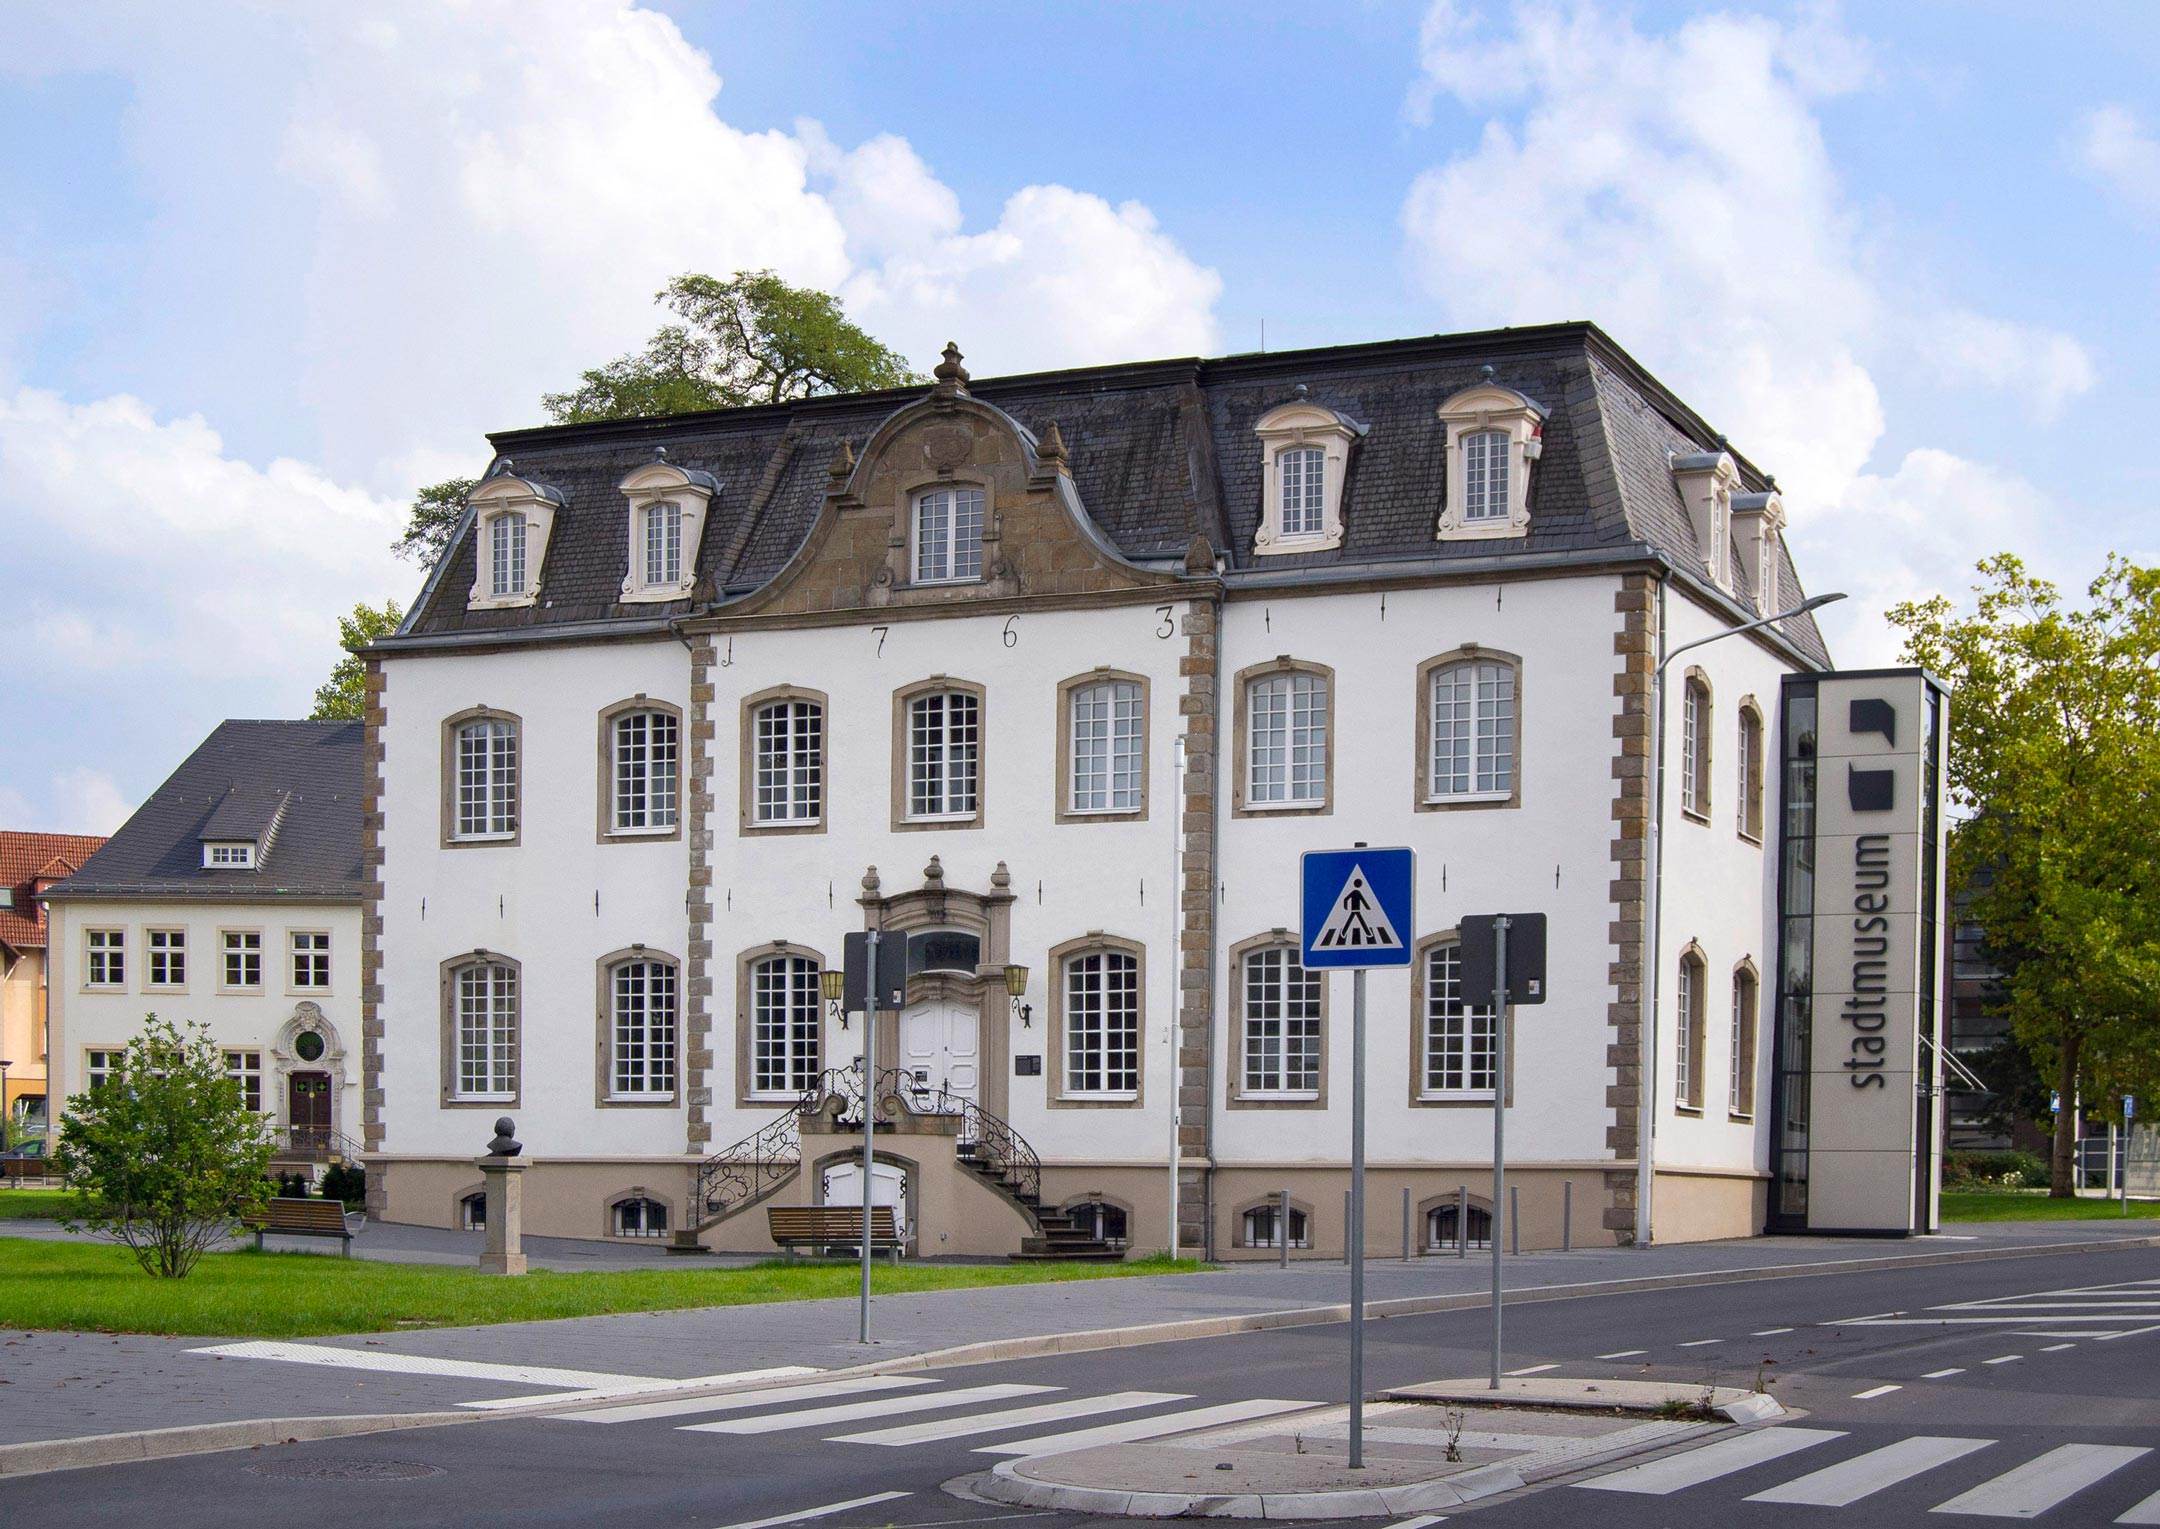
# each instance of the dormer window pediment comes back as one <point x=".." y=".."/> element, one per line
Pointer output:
<point x="1304" y="461"/>
<point x="665" y="527"/>
<point x="512" y="519"/>
<point x="1493" y="435"/>
<point x="1757" y="520"/>
<point x="1706" y="480"/>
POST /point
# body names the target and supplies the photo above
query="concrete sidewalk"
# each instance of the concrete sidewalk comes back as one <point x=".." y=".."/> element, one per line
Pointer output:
<point x="65" y="1385"/>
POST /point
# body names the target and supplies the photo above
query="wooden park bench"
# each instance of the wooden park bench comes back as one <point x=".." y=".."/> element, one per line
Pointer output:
<point x="21" y="1172"/>
<point x="830" y="1226"/>
<point x="302" y="1218"/>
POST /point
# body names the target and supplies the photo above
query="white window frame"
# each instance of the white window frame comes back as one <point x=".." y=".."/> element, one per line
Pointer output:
<point x="1485" y="476"/>
<point x="1476" y="725"/>
<point x="485" y="770"/>
<point x="944" y="756"/>
<point x="1284" y="1025"/>
<point x="507" y="563"/>
<point x="643" y="1002"/>
<point x="228" y="857"/>
<point x="787" y="1027"/>
<point x="101" y="1065"/>
<point x="1107" y="770"/>
<point x="946" y="526"/>
<point x="1283" y="432"/>
<point x="1695" y="723"/>
<point x="1301" y="484"/>
<point x="1100" y="1016"/>
<point x="644" y="772"/>
<point x="105" y="959"/>
<point x="240" y="951"/>
<point x="536" y="504"/>
<point x="165" y="951"/>
<point x="660" y="494"/>
<point x="485" y="1000"/>
<point x="1457" y="1040"/>
<point x="663" y="543"/>
<point x="244" y="1067"/>
<point x="1740" y="1081"/>
<point x="1474" y="414"/>
<point x="308" y="959"/>
<point x="1689" y="1034"/>
<point x="787" y="761"/>
<point x="1286" y="711"/>
<point x="1748" y="807"/>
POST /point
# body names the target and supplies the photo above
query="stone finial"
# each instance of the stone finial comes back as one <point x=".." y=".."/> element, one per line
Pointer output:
<point x="841" y="465"/>
<point x="870" y="882"/>
<point x="1300" y="390"/>
<point x="1199" y="556"/>
<point x="505" y="1143"/>
<point x="659" y="453"/>
<point x="933" y="874"/>
<point x="951" y="376"/>
<point x="1050" y="450"/>
<point x="1486" y="373"/>
<point x="1001" y="878"/>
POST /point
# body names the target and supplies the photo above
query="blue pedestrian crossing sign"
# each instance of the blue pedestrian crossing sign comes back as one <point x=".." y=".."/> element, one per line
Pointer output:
<point x="1358" y="906"/>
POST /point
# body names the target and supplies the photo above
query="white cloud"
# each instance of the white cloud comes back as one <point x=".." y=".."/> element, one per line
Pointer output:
<point x="2049" y="368"/>
<point x="2115" y="146"/>
<point x="90" y="802"/>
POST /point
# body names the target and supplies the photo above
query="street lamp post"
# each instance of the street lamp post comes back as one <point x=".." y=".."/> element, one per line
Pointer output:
<point x="1646" y="1020"/>
<point x="5" y="1064"/>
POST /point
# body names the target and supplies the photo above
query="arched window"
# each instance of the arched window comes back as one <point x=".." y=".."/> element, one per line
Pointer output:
<point x="641" y="1028"/>
<point x="485" y="779"/>
<point x="1695" y="746"/>
<point x="1458" y="1058"/>
<point x="647" y="750"/>
<point x="788" y="762"/>
<point x="483" y="996"/>
<point x="1485" y="476"/>
<point x="948" y="535"/>
<point x="663" y="543"/>
<point x="472" y="1212"/>
<point x="1099" y="1017"/>
<point x="1443" y="1231"/>
<point x="638" y="1217"/>
<point x="1286" y="715"/>
<point x="785" y="1026"/>
<point x="944" y="755"/>
<point x="1107" y="722"/>
<point x="1302" y="472"/>
<point x="1472" y="727"/>
<point x="506" y="556"/>
<point x="1281" y="1007"/>
<point x="1688" y="1033"/>
<point x="943" y="950"/>
<point x="1749" y="804"/>
<point x="1096" y="1219"/>
<point x="1741" y="1097"/>
<point x="1262" y="1231"/>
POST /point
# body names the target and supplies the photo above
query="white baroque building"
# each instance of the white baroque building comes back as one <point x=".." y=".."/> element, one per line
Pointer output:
<point x="1057" y="676"/>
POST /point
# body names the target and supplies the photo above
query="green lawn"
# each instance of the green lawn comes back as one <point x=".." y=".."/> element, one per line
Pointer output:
<point x="95" y="1286"/>
<point x="17" y="1204"/>
<point x="2034" y="1205"/>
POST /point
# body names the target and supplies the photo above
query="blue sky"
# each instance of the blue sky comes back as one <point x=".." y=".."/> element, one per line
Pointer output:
<point x="265" y="268"/>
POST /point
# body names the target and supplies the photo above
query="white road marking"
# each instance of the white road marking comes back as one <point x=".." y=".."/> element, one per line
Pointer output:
<point x="425" y="1364"/>
<point x="1849" y="1321"/>
<point x="1019" y="1417"/>
<point x="1626" y="1353"/>
<point x="648" y="1388"/>
<point x="825" y="1512"/>
<point x="1848" y="1481"/>
<point x="1944" y="1374"/>
<point x="848" y="1412"/>
<point x="1420" y="1522"/>
<point x="2003" y="1359"/>
<point x="1868" y="1396"/>
<point x="1144" y="1428"/>
<point x="1699" y="1342"/>
<point x="2146" y="1512"/>
<point x="2057" y="1348"/>
<point x="1535" y="1369"/>
<point x="2105" y="1337"/>
<point x="1770" y="1332"/>
<point x="1723" y="1458"/>
<point x="684" y="1406"/>
<point x="2039" y="1485"/>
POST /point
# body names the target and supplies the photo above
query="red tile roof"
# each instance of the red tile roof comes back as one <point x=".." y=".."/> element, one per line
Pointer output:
<point x="28" y="861"/>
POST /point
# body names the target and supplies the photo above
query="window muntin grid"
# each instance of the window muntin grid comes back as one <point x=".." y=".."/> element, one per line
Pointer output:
<point x="243" y="957"/>
<point x="487" y="1031"/>
<point x="1286" y="740"/>
<point x="639" y="1217"/>
<point x="1473" y="730"/>
<point x="167" y="957"/>
<point x="1694" y="710"/>
<point x="1485" y="475"/>
<point x="506" y="556"/>
<point x="663" y="543"/>
<point x="1102" y="1024"/>
<point x="487" y="779"/>
<point x="1260" y="1228"/>
<point x="1688" y="1035"/>
<point x="310" y="959"/>
<point x="101" y="1068"/>
<point x="1282" y="1024"/>
<point x="1459" y="1039"/>
<point x="948" y="535"/>
<point x="944" y="751"/>
<point x="789" y="762"/>
<point x="785" y="1010"/>
<point x="107" y="953"/>
<point x="641" y="1030"/>
<point x="245" y="1069"/>
<point x="1301" y="472"/>
<point x="1108" y="735"/>
<point x="647" y="773"/>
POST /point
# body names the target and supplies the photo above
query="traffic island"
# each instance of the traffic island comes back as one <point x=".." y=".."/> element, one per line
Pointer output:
<point x="1661" y="1398"/>
<point x="1421" y="1456"/>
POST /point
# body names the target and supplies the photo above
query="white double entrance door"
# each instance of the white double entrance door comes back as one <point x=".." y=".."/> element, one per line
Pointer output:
<point x="941" y="1050"/>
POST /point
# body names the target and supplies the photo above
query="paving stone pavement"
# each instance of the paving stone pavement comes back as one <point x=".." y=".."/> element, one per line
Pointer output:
<point x="63" y="1385"/>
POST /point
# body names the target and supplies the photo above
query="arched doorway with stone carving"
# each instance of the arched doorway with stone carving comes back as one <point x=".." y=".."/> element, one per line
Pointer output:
<point x="308" y="1092"/>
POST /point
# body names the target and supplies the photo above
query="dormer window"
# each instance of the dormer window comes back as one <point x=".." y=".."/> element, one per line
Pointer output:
<point x="1706" y="480"/>
<point x="229" y="857"/>
<point x="667" y="506"/>
<point x="1757" y="519"/>
<point x="948" y="535"/>
<point x="1493" y="435"/>
<point x="1304" y="459"/>
<point x="511" y="520"/>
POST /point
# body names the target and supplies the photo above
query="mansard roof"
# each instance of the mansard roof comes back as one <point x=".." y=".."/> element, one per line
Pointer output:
<point x="1159" y="452"/>
<point x="291" y="787"/>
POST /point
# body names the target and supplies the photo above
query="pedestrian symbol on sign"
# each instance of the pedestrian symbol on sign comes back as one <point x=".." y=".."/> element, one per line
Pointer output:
<point x="1357" y="922"/>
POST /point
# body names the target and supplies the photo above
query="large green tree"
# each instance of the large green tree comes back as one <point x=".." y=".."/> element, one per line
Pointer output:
<point x="164" y="1156"/>
<point x="2055" y="756"/>
<point x="342" y="698"/>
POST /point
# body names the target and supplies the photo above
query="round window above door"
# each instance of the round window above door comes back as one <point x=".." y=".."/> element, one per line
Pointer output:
<point x="308" y="1046"/>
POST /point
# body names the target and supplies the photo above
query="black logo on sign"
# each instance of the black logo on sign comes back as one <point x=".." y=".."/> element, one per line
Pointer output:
<point x="1874" y="717"/>
<point x="1870" y="790"/>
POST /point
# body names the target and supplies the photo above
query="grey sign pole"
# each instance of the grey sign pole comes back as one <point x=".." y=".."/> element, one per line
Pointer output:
<point x="1499" y="1123"/>
<point x="1356" y="1231"/>
<point x="869" y="1121"/>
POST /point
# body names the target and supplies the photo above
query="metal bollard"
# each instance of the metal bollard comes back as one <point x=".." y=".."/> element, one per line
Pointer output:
<point x="1514" y="1219"/>
<point x="1567" y="1215"/>
<point x="1406" y="1224"/>
<point x="1346" y="1227"/>
<point x="1282" y="1229"/>
<point x="1462" y="1221"/>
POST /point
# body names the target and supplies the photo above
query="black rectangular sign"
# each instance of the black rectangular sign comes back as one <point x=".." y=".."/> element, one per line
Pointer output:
<point x="892" y="970"/>
<point x="1525" y="958"/>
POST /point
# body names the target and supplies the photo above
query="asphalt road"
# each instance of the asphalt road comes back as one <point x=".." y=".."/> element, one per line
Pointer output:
<point x="2041" y="1400"/>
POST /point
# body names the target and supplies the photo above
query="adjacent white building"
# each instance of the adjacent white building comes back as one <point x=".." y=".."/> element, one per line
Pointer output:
<point x="1056" y="677"/>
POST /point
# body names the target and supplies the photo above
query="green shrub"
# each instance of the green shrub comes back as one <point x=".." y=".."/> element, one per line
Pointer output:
<point x="346" y="1182"/>
<point x="1994" y="1170"/>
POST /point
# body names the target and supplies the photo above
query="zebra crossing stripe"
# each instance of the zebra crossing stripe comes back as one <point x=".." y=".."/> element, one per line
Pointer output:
<point x="2146" y="1512"/>
<point x="1019" y="1417"/>
<point x="736" y="1401"/>
<point x="819" y="1417"/>
<point x="1726" y="1456"/>
<point x="2039" y="1485"/>
<point x="1144" y="1428"/>
<point x="1848" y="1481"/>
<point x="826" y="1511"/>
